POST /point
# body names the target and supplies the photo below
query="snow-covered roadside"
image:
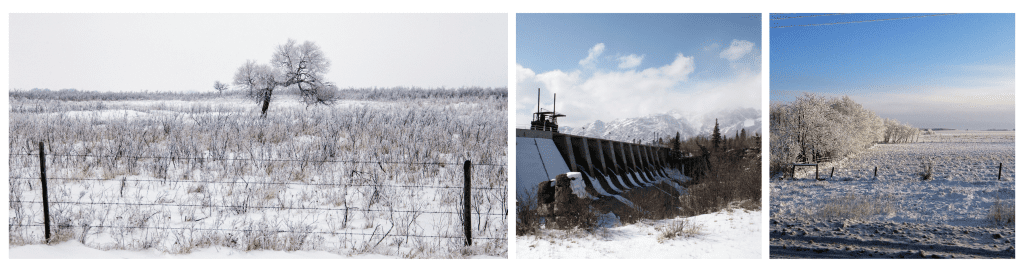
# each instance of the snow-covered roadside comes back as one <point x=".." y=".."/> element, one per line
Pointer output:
<point x="815" y="238"/>
<point x="733" y="233"/>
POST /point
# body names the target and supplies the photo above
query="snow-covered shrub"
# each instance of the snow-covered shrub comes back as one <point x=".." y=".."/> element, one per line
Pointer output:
<point x="926" y="171"/>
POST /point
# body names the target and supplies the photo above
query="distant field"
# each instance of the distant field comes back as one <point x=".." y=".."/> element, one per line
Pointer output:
<point x="961" y="192"/>
<point x="373" y="175"/>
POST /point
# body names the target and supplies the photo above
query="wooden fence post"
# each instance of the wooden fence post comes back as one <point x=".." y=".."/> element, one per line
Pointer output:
<point x="833" y="173"/>
<point x="46" y="196"/>
<point x="876" y="172"/>
<point x="1000" y="171"/>
<point x="467" y="222"/>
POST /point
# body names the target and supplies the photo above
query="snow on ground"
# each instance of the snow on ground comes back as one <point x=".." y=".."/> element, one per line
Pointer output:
<point x="962" y="190"/>
<point x="933" y="216"/>
<point x="75" y="250"/>
<point x="836" y="239"/>
<point x="149" y="207"/>
<point x="732" y="234"/>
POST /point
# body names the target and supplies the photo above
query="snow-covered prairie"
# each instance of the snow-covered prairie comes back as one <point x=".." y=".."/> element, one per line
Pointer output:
<point x="727" y="234"/>
<point x="963" y="190"/>
<point x="174" y="178"/>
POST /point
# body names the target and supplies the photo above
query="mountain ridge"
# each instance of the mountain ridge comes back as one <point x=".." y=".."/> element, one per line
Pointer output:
<point x="667" y="124"/>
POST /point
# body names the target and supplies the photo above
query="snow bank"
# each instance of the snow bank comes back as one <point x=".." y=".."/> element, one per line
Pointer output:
<point x="729" y="234"/>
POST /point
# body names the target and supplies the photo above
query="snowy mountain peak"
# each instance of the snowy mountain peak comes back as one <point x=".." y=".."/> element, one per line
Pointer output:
<point x="667" y="124"/>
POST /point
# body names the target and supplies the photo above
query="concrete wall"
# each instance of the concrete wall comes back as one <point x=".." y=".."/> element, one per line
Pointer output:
<point x="611" y="166"/>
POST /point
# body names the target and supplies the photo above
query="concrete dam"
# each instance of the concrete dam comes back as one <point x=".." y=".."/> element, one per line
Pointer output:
<point x="608" y="168"/>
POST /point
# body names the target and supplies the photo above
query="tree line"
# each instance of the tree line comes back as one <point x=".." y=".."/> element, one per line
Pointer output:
<point x="716" y="141"/>
<point x="814" y="128"/>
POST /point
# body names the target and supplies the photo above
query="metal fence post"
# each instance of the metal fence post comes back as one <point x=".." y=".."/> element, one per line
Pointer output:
<point x="1000" y="171"/>
<point x="467" y="222"/>
<point x="46" y="201"/>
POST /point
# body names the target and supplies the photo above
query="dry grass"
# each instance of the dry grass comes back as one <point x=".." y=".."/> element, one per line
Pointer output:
<point x="926" y="171"/>
<point x="1001" y="214"/>
<point x="658" y="202"/>
<point x="733" y="177"/>
<point x="684" y="228"/>
<point x="527" y="220"/>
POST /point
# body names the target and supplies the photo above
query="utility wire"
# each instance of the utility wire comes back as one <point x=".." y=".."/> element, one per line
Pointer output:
<point x="776" y="18"/>
<point x="866" y="21"/>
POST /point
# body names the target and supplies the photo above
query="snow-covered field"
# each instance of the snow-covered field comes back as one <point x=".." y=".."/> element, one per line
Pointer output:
<point x="729" y="234"/>
<point x="142" y="179"/>
<point x="963" y="191"/>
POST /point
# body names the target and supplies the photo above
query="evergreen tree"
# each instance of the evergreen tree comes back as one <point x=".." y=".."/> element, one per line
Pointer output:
<point x="676" y="143"/>
<point x="743" y="138"/>
<point x="716" y="137"/>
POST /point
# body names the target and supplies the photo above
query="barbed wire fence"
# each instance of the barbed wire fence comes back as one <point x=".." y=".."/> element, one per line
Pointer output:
<point x="927" y="170"/>
<point x="482" y="209"/>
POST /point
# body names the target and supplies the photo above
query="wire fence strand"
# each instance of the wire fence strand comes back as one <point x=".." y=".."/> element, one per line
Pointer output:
<point x="439" y="163"/>
<point x="256" y="230"/>
<point x="246" y="207"/>
<point x="253" y="183"/>
<point x="242" y="181"/>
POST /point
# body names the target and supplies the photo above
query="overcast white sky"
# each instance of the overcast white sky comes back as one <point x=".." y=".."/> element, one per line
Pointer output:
<point x="182" y="52"/>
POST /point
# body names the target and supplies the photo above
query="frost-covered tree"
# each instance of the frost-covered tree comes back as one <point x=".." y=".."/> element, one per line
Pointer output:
<point x="896" y="132"/>
<point x="258" y="81"/>
<point x="814" y="128"/>
<point x="220" y="87"/>
<point x="304" y="65"/>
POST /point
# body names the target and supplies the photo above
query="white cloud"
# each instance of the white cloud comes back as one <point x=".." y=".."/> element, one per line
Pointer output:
<point x="737" y="49"/>
<point x="711" y="47"/>
<point x="630" y="61"/>
<point x="608" y="95"/>
<point x="592" y="55"/>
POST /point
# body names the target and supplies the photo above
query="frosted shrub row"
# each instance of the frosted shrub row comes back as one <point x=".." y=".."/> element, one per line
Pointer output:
<point x="813" y="128"/>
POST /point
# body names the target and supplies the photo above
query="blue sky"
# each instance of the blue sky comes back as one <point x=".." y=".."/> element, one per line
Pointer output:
<point x="951" y="71"/>
<point x="608" y="66"/>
